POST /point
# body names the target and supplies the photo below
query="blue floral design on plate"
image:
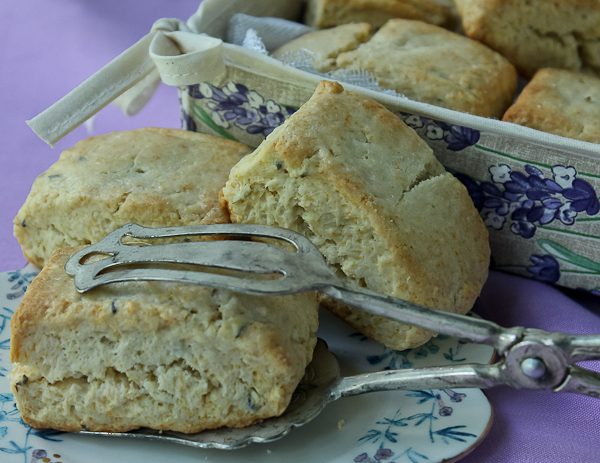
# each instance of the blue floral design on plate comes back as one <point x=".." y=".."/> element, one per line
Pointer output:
<point x="391" y="359"/>
<point x="529" y="199"/>
<point x="434" y="410"/>
<point x="5" y="315"/>
<point x="20" y="279"/>
<point x="234" y="104"/>
<point x="15" y="435"/>
<point x="451" y="409"/>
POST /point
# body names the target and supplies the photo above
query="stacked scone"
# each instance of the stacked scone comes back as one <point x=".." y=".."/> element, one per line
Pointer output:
<point x="362" y="186"/>
<point x="130" y="355"/>
<point x="343" y="171"/>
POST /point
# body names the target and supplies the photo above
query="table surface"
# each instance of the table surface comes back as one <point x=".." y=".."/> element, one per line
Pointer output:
<point x="49" y="47"/>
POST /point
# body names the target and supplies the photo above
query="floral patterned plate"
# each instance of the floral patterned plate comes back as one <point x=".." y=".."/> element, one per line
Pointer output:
<point x="414" y="426"/>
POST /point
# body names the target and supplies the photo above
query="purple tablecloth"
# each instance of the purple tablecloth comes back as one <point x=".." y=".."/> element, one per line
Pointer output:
<point x="49" y="47"/>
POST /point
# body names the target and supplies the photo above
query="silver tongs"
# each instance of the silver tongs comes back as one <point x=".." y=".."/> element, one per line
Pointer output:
<point x="263" y="260"/>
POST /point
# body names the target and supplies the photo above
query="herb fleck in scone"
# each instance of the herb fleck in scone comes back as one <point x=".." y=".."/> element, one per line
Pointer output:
<point x="562" y="102"/>
<point x="369" y="193"/>
<point x="157" y="355"/>
<point x="153" y="177"/>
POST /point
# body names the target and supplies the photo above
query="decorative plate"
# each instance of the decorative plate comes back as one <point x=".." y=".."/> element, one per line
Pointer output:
<point x="414" y="426"/>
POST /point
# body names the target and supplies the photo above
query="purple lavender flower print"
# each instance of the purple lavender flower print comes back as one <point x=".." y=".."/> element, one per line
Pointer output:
<point x="523" y="228"/>
<point x="529" y="199"/>
<point x="545" y="268"/>
<point x="583" y="197"/>
<point x="188" y="122"/>
<point x="234" y="104"/>
<point x="457" y="138"/>
<point x="412" y="120"/>
<point x="433" y="131"/>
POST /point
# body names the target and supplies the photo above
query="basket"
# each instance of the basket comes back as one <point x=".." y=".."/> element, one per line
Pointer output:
<point x="536" y="192"/>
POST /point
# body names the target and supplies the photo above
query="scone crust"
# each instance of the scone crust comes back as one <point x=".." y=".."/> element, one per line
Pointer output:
<point x="326" y="45"/>
<point x="431" y="64"/>
<point x="537" y="34"/>
<point x="371" y="195"/>
<point x="154" y="177"/>
<point x="561" y="102"/>
<point x="172" y="357"/>
<point x="328" y="13"/>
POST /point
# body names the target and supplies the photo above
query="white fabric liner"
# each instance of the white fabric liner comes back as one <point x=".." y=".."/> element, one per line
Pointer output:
<point x="274" y="32"/>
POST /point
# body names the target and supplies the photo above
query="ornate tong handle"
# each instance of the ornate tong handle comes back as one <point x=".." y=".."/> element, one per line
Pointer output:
<point x="528" y="358"/>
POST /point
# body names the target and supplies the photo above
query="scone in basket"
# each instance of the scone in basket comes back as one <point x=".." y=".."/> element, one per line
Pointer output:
<point x="537" y="192"/>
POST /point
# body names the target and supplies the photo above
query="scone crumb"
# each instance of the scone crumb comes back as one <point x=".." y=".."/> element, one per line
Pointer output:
<point x="341" y="423"/>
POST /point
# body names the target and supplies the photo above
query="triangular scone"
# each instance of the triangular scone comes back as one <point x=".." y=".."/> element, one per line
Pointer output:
<point x="359" y="183"/>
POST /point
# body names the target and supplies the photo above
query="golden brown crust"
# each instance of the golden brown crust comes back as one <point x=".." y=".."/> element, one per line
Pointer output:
<point x="561" y="102"/>
<point x="430" y="64"/>
<point x="171" y="357"/>
<point x="154" y="177"/>
<point x="371" y="195"/>
<point x="328" y="13"/>
<point x="537" y="33"/>
<point x="324" y="46"/>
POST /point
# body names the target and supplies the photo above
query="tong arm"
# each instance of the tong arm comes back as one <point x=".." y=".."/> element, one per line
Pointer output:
<point x="581" y="381"/>
<point x="449" y="377"/>
<point x="451" y="324"/>
<point x="529" y="358"/>
<point x="514" y="371"/>
<point x="582" y="347"/>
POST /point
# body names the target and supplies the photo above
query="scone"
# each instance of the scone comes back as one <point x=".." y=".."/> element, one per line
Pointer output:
<point x="537" y="33"/>
<point x="430" y="64"/>
<point x="158" y="355"/>
<point x="327" y="13"/>
<point x="153" y="177"/>
<point x="562" y="102"/>
<point x="369" y="193"/>
<point x="324" y="46"/>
